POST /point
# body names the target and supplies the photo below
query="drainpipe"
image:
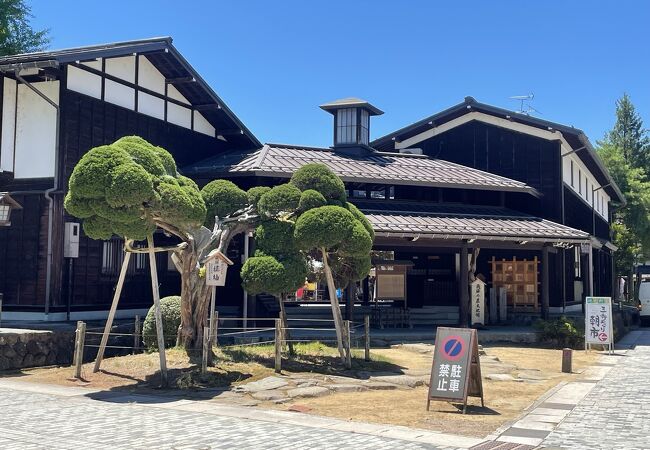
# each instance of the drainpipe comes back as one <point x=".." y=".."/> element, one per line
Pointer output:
<point x="48" y="192"/>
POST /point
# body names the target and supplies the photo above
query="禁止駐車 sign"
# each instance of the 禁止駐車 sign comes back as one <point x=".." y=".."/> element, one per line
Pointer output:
<point x="456" y="369"/>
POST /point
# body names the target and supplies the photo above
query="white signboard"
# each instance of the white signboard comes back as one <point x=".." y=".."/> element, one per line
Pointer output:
<point x="599" y="327"/>
<point x="215" y="272"/>
<point x="478" y="301"/>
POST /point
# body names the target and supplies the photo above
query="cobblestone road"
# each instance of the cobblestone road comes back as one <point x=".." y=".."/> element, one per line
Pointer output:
<point x="616" y="413"/>
<point x="42" y="421"/>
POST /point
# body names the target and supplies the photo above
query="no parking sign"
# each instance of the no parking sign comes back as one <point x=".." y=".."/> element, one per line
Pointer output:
<point x="456" y="369"/>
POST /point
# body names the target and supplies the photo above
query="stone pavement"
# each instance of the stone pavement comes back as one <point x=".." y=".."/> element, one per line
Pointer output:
<point x="39" y="416"/>
<point x="616" y="412"/>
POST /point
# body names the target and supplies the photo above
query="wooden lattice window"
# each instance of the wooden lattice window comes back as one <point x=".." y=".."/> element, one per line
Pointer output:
<point x="519" y="278"/>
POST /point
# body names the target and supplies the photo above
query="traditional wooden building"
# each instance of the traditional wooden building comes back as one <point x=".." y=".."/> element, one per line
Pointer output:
<point x="55" y="107"/>
<point x="511" y="190"/>
<point x="523" y="204"/>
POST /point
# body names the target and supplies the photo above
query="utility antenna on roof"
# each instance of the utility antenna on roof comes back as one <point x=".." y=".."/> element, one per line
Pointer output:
<point x="524" y="104"/>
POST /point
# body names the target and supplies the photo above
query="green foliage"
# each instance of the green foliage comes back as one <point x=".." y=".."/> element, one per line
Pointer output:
<point x="320" y="178"/>
<point x="222" y="198"/>
<point x="629" y="135"/>
<point x="311" y="199"/>
<point x="359" y="242"/>
<point x="16" y="33"/>
<point x="324" y="227"/>
<point x="361" y="218"/>
<point x="280" y="199"/>
<point x="348" y="269"/>
<point x="170" y="309"/>
<point x="561" y="332"/>
<point x="120" y="188"/>
<point x="275" y="237"/>
<point x="262" y="274"/>
<point x="253" y="194"/>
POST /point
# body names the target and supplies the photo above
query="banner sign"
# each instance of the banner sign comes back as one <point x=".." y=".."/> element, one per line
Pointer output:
<point x="478" y="301"/>
<point x="599" y="327"/>
<point x="456" y="369"/>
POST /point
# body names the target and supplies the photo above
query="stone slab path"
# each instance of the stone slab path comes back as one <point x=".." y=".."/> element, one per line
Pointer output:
<point x="40" y="416"/>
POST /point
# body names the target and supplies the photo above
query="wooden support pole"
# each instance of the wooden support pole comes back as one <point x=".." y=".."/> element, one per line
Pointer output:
<point x="348" y="344"/>
<point x="137" y="335"/>
<point x="278" y="345"/>
<point x="545" y="283"/>
<point x="157" y="313"/>
<point x="214" y="327"/>
<point x="79" y="348"/>
<point x="206" y="349"/>
<point x="111" y="313"/>
<point x="366" y="329"/>
<point x="463" y="283"/>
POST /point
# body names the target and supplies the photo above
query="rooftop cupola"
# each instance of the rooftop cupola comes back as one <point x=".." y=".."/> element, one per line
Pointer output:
<point x="352" y="124"/>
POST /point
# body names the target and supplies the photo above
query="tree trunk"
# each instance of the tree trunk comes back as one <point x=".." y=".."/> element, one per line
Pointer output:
<point x="195" y="300"/>
<point x="334" y="301"/>
<point x="286" y="336"/>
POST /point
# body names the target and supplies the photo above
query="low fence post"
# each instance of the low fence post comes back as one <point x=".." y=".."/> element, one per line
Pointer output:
<point x="278" y="345"/>
<point x="348" y="340"/>
<point x="137" y="335"/>
<point x="206" y="349"/>
<point x="366" y="333"/>
<point x="79" y="348"/>
<point x="214" y="327"/>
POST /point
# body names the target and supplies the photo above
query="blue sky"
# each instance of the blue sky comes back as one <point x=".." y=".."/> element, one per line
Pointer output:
<point x="274" y="62"/>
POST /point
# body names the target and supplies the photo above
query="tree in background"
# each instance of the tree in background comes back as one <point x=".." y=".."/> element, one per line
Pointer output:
<point x="130" y="188"/>
<point x="625" y="153"/>
<point x="16" y="33"/>
<point x="629" y="136"/>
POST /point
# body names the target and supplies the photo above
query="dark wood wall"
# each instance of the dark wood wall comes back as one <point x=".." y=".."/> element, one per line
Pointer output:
<point x="504" y="152"/>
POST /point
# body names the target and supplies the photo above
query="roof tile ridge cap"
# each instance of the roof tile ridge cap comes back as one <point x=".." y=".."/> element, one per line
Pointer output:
<point x="260" y="158"/>
<point x="299" y="147"/>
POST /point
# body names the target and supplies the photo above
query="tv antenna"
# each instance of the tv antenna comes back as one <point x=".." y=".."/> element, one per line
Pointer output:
<point x="524" y="104"/>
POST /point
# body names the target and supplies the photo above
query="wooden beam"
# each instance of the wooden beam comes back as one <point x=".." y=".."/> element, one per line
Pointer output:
<point x="180" y="80"/>
<point x="545" y="283"/>
<point x="463" y="286"/>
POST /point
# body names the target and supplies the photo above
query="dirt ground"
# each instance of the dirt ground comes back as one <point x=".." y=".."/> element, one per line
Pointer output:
<point x="504" y="400"/>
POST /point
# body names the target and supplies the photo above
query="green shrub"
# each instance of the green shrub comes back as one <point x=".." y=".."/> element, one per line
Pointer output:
<point x="170" y="309"/>
<point x="561" y="332"/>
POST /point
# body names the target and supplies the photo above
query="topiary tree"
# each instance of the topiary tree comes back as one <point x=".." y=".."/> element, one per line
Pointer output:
<point x="131" y="187"/>
<point x="170" y="309"/>
<point x="338" y="231"/>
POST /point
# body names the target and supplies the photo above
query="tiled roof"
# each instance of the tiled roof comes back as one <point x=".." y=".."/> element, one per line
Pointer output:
<point x="461" y="221"/>
<point x="283" y="160"/>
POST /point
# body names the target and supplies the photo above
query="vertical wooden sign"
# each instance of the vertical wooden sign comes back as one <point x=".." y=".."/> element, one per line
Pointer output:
<point x="456" y="368"/>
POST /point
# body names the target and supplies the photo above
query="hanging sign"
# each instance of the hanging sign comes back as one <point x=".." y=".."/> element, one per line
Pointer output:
<point x="478" y="301"/>
<point x="599" y="327"/>
<point x="216" y="267"/>
<point x="456" y="368"/>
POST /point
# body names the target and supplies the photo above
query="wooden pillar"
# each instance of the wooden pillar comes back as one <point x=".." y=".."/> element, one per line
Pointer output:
<point x="590" y="271"/>
<point x="545" y="283"/>
<point x="366" y="291"/>
<point x="351" y="293"/>
<point x="463" y="283"/>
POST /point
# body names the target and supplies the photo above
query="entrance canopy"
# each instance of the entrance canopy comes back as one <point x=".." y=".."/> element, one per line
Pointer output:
<point x="465" y="222"/>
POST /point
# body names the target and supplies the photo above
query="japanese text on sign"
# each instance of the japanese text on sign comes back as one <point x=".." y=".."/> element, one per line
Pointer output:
<point x="598" y="320"/>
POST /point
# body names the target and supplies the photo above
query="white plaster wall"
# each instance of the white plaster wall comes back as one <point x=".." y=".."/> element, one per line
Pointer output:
<point x="179" y="115"/>
<point x="123" y="68"/>
<point x="578" y="165"/>
<point x="149" y="77"/>
<point x="151" y="106"/>
<point x="202" y="125"/>
<point x="119" y="94"/>
<point x="84" y="82"/>
<point x="172" y="92"/>
<point x="95" y="64"/>
<point x="8" y="125"/>
<point x="36" y="131"/>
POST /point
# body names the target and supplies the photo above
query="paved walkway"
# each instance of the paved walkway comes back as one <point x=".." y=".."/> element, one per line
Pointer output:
<point x="616" y="412"/>
<point x="39" y="416"/>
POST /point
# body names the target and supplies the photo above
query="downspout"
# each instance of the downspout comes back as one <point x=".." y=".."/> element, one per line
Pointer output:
<point x="48" y="192"/>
